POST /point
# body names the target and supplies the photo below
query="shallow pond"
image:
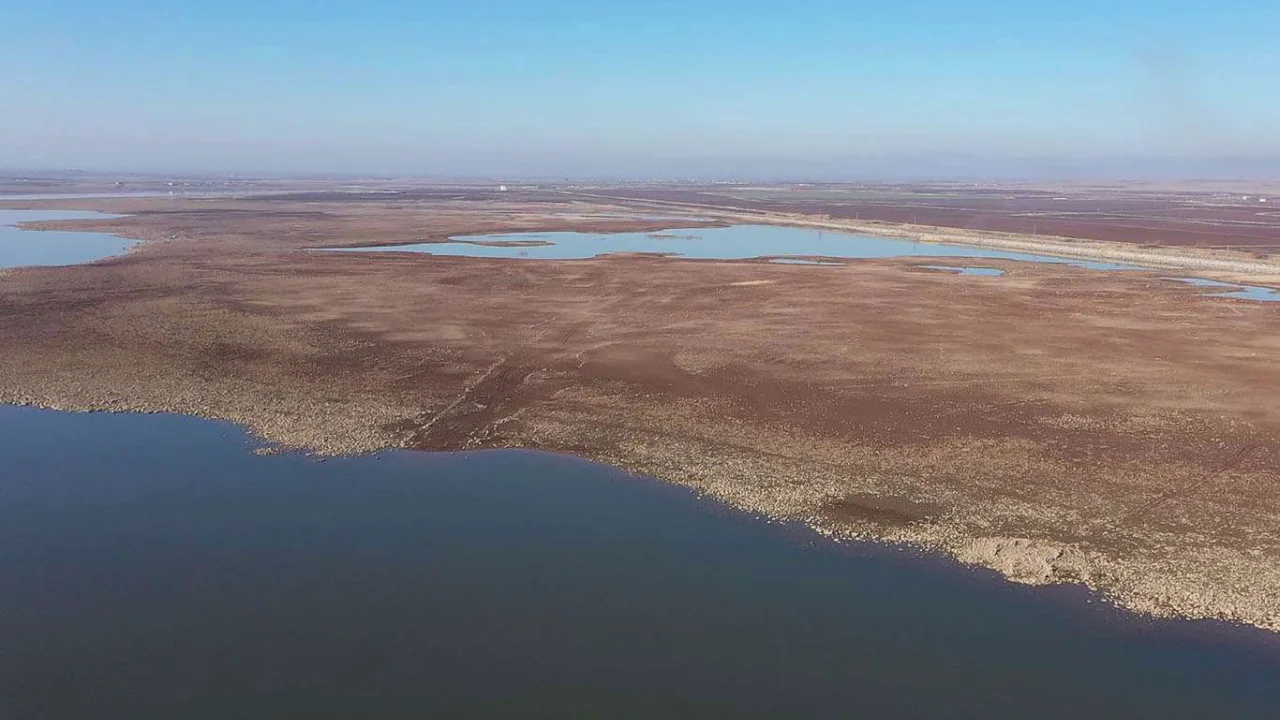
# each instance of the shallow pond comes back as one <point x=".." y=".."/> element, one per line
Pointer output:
<point x="19" y="248"/>
<point x="154" y="567"/>
<point x="738" y="242"/>
<point x="1231" y="290"/>
<point x="967" y="270"/>
<point x="784" y="245"/>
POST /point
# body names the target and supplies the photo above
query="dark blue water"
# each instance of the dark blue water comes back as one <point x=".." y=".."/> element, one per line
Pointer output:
<point x="153" y="567"/>
<point x="20" y="248"/>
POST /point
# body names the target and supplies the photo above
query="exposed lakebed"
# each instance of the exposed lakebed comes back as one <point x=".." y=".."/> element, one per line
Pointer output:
<point x="156" y="567"/>
<point x="21" y="248"/>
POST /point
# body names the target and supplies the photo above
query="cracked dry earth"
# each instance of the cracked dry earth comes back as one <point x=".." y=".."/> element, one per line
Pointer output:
<point x="1056" y="424"/>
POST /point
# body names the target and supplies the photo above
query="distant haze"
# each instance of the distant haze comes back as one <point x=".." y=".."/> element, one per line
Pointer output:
<point x="710" y="89"/>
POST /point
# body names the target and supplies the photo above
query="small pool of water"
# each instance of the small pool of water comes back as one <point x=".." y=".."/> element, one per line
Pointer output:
<point x="802" y="261"/>
<point x="1231" y="290"/>
<point x="20" y="248"/>
<point x="966" y="270"/>
<point x="154" y="567"/>
<point x="739" y="242"/>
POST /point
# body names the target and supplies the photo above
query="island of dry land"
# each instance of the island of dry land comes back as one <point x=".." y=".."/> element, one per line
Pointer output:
<point x="1054" y="423"/>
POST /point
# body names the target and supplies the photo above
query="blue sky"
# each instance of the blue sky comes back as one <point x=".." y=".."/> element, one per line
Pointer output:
<point x="658" y="87"/>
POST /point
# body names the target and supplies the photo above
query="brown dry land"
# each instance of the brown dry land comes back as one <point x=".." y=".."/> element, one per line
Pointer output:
<point x="1204" y="215"/>
<point x="1056" y="424"/>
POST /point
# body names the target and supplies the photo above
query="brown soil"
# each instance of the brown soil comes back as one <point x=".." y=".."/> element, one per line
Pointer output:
<point x="1055" y="424"/>
<point x="1142" y="216"/>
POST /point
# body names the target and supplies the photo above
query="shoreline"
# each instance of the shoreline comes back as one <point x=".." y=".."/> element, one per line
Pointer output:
<point x="1226" y="265"/>
<point x="339" y="356"/>
<point x="936" y="558"/>
<point x="1233" y="265"/>
<point x="412" y="537"/>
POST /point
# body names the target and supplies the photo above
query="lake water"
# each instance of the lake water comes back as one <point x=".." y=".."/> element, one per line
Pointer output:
<point x="154" y="567"/>
<point x="1244" y="292"/>
<point x="786" y="245"/>
<point x="19" y="248"/>
<point x="739" y="242"/>
<point x="968" y="270"/>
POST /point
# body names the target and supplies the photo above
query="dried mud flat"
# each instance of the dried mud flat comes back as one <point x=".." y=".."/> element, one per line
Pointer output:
<point x="1200" y="215"/>
<point x="1056" y="424"/>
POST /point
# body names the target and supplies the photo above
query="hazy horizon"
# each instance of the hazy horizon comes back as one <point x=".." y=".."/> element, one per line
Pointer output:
<point x="707" y="89"/>
<point x="900" y="168"/>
